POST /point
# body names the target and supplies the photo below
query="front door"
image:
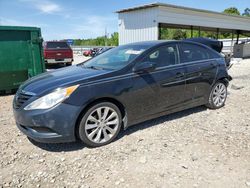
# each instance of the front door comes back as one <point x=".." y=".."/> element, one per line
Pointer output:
<point x="163" y="88"/>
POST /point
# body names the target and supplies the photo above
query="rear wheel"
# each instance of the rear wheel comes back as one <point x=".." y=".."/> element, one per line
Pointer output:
<point x="100" y="125"/>
<point x="218" y="96"/>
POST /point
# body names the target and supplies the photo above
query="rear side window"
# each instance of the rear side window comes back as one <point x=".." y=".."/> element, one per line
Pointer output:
<point x="57" y="45"/>
<point x="192" y="52"/>
<point x="163" y="56"/>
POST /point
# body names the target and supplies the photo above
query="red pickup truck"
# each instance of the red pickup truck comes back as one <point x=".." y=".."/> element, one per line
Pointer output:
<point x="57" y="52"/>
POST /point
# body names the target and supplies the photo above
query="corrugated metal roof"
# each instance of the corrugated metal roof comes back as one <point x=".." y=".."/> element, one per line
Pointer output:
<point x="138" y="7"/>
<point x="157" y="4"/>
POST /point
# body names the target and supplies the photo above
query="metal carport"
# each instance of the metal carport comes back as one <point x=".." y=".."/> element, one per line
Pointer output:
<point x="143" y="23"/>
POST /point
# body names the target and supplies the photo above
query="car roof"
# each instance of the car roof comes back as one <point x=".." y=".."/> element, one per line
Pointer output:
<point x="151" y="43"/>
<point x="158" y="43"/>
<point x="155" y="43"/>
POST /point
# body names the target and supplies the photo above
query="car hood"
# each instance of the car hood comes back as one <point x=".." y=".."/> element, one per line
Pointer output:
<point x="68" y="76"/>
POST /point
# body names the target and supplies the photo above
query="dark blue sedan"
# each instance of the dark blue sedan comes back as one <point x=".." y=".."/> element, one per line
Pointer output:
<point x="126" y="85"/>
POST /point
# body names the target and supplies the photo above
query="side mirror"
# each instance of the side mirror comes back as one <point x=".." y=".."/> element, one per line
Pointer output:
<point x="144" y="67"/>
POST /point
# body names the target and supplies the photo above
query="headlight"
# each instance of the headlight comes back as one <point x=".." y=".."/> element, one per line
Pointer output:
<point x="51" y="99"/>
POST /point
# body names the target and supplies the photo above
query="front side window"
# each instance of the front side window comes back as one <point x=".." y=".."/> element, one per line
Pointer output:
<point x="192" y="52"/>
<point x="164" y="56"/>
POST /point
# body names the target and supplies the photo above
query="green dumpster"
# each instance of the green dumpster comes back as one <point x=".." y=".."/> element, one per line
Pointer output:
<point x="21" y="55"/>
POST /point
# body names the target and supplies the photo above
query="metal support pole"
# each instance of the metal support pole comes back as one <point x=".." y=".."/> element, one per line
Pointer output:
<point x="159" y="31"/>
<point x="232" y="43"/>
<point x="217" y="33"/>
<point x="238" y="36"/>
<point x="191" y="31"/>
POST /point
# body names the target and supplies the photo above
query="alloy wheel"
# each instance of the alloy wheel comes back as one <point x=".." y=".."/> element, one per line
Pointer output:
<point x="102" y="124"/>
<point x="219" y="94"/>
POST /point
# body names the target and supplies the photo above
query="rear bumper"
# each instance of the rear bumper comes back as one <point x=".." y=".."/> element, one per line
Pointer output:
<point x="227" y="80"/>
<point x="55" y="61"/>
<point x="54" y="125"/>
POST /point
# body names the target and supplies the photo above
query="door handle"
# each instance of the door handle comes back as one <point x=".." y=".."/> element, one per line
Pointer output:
<point x="179" y="75"/>
<point x="213" y="64"/>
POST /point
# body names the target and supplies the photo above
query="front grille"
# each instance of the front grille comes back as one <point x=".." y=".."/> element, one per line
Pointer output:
<point x="20" y="99"/>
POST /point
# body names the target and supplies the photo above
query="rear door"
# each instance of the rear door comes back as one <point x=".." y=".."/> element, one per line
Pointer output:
<point x="201" y="68"/>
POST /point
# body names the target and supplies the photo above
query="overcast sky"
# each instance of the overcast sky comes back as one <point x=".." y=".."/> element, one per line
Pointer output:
<point x="62" y="19"/>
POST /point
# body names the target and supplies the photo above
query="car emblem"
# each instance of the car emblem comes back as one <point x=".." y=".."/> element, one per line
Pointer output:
<point x="58" y="54"/>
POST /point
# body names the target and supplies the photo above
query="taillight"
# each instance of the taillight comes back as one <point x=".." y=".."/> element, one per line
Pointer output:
<point x="44" y="53"/>
<point x="71" y="52"/>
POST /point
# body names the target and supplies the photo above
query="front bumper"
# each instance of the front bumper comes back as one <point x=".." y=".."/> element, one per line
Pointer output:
<point x="53" y="125"/>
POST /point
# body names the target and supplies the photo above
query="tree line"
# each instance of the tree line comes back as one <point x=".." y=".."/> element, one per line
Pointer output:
<point x="99" y="41"/>
<point x="166" y="33"/>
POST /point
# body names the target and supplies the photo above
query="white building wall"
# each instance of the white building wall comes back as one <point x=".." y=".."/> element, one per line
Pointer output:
<point x="138" y="25"/>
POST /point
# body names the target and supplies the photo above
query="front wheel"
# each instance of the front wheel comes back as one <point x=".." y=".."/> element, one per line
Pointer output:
<point x="218" y="96"/>
<point x="100" y="124"/>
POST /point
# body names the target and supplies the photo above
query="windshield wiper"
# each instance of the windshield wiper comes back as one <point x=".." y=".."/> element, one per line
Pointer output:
<point x="90" y="67"/>
<point x="96" y="68"/>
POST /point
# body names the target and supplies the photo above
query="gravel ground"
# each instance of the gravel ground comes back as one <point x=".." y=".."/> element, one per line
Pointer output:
<point x="194" y="148"/>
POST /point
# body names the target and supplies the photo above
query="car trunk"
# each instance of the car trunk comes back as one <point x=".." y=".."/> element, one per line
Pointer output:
<point x="57" y="53"/>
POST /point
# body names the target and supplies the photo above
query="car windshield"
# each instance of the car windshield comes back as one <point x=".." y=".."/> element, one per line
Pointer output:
<point x="116" y="58"/>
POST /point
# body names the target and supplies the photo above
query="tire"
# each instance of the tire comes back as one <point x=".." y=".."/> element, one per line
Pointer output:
<point x="100" y="125"/>
<point x="217" y="96"/>
<point x="68" y="64"/>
